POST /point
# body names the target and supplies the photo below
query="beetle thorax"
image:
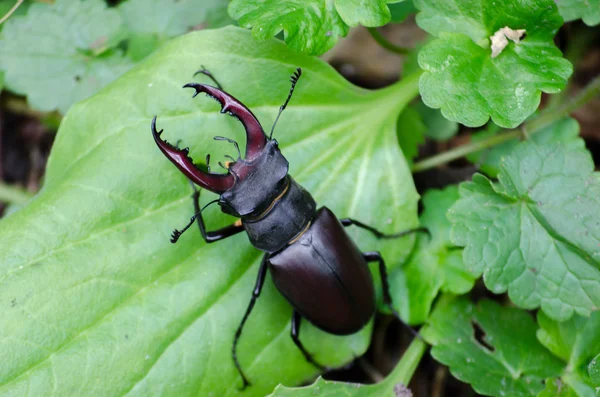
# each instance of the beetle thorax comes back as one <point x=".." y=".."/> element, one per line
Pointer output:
<point x="258" y="183"/>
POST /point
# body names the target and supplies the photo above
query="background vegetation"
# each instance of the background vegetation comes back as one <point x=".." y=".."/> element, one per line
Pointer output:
<point x="502" y="151"/>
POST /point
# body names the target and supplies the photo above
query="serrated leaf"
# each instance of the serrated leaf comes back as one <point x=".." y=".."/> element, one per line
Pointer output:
<point x="95" y="299"/>
<point x="435" y="265"/>
<point x="310" y="26"/>
<point x="576" y="342"/>
<point x="61" y="53"/>
<point x="394" y="385"/>
<point x="465" y="81"/>
<point x="535" y="233"/>
<point x="501" y="363"/>
<point x="564" y="132"/>
<point x="588" y="10"/>
<point x="410" y="129"/>
<point x="438" y="127"/>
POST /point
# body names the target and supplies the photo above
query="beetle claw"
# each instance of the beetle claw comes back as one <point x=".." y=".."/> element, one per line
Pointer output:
<point x="216" y="183"/>
<point x="255" y="136"/>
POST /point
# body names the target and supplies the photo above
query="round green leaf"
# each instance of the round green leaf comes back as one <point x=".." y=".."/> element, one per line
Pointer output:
<point x="465" y="81"/>
<point x="94" y="298"/>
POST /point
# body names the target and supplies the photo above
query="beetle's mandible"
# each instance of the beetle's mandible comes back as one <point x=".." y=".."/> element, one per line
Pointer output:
<point x="312" y="261"/>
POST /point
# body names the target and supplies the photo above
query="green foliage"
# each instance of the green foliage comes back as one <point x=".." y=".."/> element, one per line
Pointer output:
<point x="392" y="386"/>
<point x="310" y="26"/>
<point x="437" y="126"/>
<point x="400" y="11"/>
<point x="535" y="232"/>
<point x="61" y="53"/>
<point x="588" y="10"/>
<point x="64" y="52"/>
<point x="151" y="23"/>
<point x="556" y="388"/>
<point x="594" y="372"/>
<point x="465" y="81"/>
<point x="411" y="131"/>
<point x="154" y="318"/>
<point x="435" y="265"/>
<point x="564" y="132"/>
<point x="506" y="361"/>
<point x="576" y="342"/>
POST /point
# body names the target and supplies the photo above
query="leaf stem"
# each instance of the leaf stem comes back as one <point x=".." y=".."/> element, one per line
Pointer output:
<point x="546" y="117"/>
<point x="13" y="195"/>
<point x="408" y="364"/>
<point x="11" y="11"/>
<point x="382" y="41"/>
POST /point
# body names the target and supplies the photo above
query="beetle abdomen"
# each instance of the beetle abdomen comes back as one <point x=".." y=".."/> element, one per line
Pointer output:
<point x="325" y="277"/>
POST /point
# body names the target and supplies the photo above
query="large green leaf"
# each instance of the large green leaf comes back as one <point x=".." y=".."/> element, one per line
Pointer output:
<point x="535" y="233"/>
<point x="96" y="301"/>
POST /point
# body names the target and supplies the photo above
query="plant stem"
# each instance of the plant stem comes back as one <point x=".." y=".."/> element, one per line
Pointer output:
<point x="408" y="364"/>
<point x="546" y="117"/>
<point x="382" y="41"/>
<point x="13" y="195"/>
<point x="11" y="11"/>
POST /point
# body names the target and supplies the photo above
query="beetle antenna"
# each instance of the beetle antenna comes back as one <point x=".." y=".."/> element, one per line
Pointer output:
<point x="177" y="233"/>
<point x="237" y="147"/>
<point x="294" y="79"/>
<point x="208" y="162"/>
<point x="205" y="72"/>
<point x="230" y="158"/>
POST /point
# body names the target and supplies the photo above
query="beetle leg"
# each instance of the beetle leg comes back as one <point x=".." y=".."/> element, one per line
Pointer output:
<point x="295" y="333"/>
<point x="216" y="235"/>
<point x="387" y="297"/>
<point x="260" y="280"/>
<point x="205" y="72"/>
<point x="381" y="235"/>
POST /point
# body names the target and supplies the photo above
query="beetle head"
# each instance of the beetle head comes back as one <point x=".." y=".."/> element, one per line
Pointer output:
<point x="251" y="184"/>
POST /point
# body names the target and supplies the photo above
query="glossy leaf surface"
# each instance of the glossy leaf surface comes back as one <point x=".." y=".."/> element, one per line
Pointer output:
<point x="95" y="298"/>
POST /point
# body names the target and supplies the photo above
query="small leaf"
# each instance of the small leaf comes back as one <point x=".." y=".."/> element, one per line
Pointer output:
<point x="535" y="233"/>
<point x="434" y="265"/>
<point x="588" y="10"/>
<point x="576" y="342"/>
<point x="310" y="26"/>
<point x="410" y="129"/>
<point x="62" y="53"/>
<point x="96" y="300"/>
<point x="465" y="81"/>
<point x="594" y="371"/>
<point x="556" y="388"/>
<point x="564" y="132"/>
<point x="500" y="363"/>
<point x="439" y="128"/>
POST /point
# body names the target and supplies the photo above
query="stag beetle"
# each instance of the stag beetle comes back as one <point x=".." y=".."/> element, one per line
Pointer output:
<point x="312" y="261"/>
